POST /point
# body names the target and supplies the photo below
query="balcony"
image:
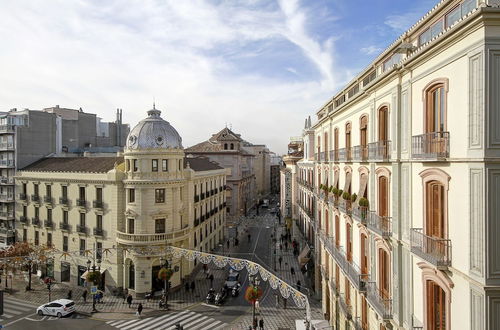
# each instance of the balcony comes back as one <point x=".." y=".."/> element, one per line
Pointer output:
<point x="202" y="218"/>
<point x="35" y="198"/>
<point x="6" y="146"/>
<point x="202" y="196"/>
<point x="48" y="199"/>
<point x="346" y="308"/>
<point x="6" y="198"/>
<point x="345" y="205"/>
<point x="431" y="146"/>
<point x="6" y="163"/>
<point x="5" y="180"/>
<point x="381" y="304"/>
<point x="7" y="232"/>
<point x="381" y="225"/>
<point x="316" y="157"/>
<point x="345" y="154"/>
<point x="360" y="213"/>
<point x="196" y="222"/>
<point x="64" y="201"/>
<point x="82" y="229"/>
<point x="134" y="239"/>
<point x="64" y="226"/>
<point x="360" y="153"/>
<point x="98" y="232"/>
<point x="323" y="156"/>
<point x="196" y="198"/>
<point x="379" y="151"/>
<point x="23" y="219"/>
<point x="436" y="251"/>
<point x="35" y="221"/>
<point x="334" y="155"/>
<point x="81" y="202"/>
<point x="23" y="197"/>
<point x="7" y="129"/>
<point x="97" y="204"/>
<point x="48" y="224"/>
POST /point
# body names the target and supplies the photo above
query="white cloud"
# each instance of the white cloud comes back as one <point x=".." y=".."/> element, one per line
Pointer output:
<point x="104" y="55"/>
<point x="371" y="50"/>
<point x="402" y="22"/>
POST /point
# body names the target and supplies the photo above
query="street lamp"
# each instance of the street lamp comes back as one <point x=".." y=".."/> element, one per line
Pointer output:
<point x="165" y="273"/>
<point x="95" y="268"/>
<point x="255" y="281"/>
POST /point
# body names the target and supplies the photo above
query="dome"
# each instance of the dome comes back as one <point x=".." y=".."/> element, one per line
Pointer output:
<point x="154" y="133"/>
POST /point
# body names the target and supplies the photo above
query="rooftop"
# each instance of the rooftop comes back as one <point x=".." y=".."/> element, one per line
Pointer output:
<point x="201" y="164"/>
<point x="74" y="164"/>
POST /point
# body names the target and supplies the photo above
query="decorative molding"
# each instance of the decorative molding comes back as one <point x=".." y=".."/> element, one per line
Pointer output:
<point x="476" y="309"/>
<point x="404" y="121"/>
<point x="492" y="224"/>
<point x="405" y="203"/>
<point x="476" y="225"/>
<point x="476" y="106"/>
<point x="494" y="100"/>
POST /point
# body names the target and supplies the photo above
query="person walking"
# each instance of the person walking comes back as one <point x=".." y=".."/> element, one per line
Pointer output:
<point x="261" y="324"/>
<point x="192" y="286"/>
<point x="227" y="243"/>
<point x="249" y="238"/>
<point x="139" y="310"/>
<point x="129" y="300"/>
<point x="211" y="278"/>
<point x="84" y="295"/>
<point x="125" y="295"/>
<point x="280" y="260"/>
<point x="286" y="245"/>
<point x="292" y="270"/>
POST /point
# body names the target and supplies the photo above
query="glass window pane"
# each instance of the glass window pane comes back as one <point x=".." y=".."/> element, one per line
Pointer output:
<point x="453" y="16"/>
<point x="468" y="6"/>
<point x="437" y="28"/>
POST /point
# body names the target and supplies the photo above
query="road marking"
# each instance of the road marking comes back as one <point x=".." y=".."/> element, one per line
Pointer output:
<point x="5" y="325"/>
<point x="208" y="305"/>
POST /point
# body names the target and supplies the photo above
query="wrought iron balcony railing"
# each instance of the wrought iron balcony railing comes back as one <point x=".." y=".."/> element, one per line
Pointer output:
<point x="379" y="151"/>
<point x="35" y="198"/>
<point x="48" y="224"/>
<point x="98" y="204"/>
<point x="81" y="202"/>
<point x="346" y="308"/>
<point x="64" y="226"/>
<point x="35" y="221"/>
<point x="6" y="180"/>
<point x="360" y="153"/>
<point x="47" y="199"/>
<point x="345" y="205"/>
<point x="64" y="201"/>
<point x="379" y="301"/>
<point x="98" y="231"/>
<point x="345" y="154"/>
<point x="334" y="155"/>
<point x="381" y="225"/>
<point x="431" y="146"/>
<point x="82" y="229"/>
<point x="436" y="251"/>
<point x="23" y="197"/>
<point x="23" y="219"/>
<point x="360" y="213"/>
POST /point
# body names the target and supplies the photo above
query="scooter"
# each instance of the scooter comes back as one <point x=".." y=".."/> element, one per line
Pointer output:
<point x="236" y="290"/>
<point x="220" y="296"/>
<point x="210" y="296"/>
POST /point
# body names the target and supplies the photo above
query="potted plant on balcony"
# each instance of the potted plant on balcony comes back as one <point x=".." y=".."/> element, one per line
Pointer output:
<point x="363" y="206"/>
<point x="354" y="197"/>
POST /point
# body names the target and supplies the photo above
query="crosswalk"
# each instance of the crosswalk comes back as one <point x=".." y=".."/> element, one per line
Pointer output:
<point x="188" y="319"/>
<point x="13" y="308"/>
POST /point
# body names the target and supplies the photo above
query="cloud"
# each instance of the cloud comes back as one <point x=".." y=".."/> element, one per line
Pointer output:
<point x="403" y="22"/>
<point x="371" y="50"/>
<point x="186" y="54"/>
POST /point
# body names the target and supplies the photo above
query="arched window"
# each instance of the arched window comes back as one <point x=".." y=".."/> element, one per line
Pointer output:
<point x="225" y="146"/>
<point x="363" y="130"/>
<point x="364" y="253"/>
<point x="384" y="273"/>
<point x="435" y="186"/>
<point x="348" y="135"/>
<point x="436" y="306"/>
<point x="435" y="113"/>
<point x="383" y="196"/>
<point x="232" y="146"/>
<point x="383" y="124"/>
<point x="348" y="234"/>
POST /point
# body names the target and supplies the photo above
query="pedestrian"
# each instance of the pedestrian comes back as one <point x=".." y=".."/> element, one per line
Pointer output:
<point x="286" y="246"/>
<point x="298" y="285"/>
<point x="211" y="278"/>
<point x="292" y="270"/>
<point x="192" y="286"/>
<point x="84" y="295"/>
<point x="186" y="286"/>
<point x="207" y="273"/>
<point x="70" y="294"/>
<point x="139" y="310"/>
<point x="227" y="243"/>
<point x="261" y="324"/>
<point x="249" y="237"/>
<point x="281" y="247"/>
<point x="236" y="242"/>
<point x="129" y="300"/>
<point x="280" y="259"/>
<point x="125" y="295"/>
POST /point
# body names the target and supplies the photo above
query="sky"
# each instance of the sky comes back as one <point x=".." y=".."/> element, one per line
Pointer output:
<point x="259" y="67"/>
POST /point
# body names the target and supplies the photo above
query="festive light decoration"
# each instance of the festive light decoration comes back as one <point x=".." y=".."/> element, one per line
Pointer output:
<point x="253" y="293"/>
<point x="165" y="274"/>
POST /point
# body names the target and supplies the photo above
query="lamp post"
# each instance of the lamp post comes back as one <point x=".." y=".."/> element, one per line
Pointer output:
<point x="255" y="281"/>
<point x="165" y="271"/>
<point x="95" y="268"/>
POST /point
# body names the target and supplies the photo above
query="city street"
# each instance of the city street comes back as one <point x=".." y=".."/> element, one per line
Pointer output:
<point x="189" y="308"/>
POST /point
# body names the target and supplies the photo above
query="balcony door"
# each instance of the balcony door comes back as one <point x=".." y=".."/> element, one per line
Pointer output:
<point x="348" y="138"/>
<point x="383" y="196"/>
<point x="436" y="307"/>
<point x="337" y="231"/>
<point x="383" y="118"/>
<point x="435" y="111"/>
<point x="364" y="254"/>
<point x="363" y="137"/>
<point x="348" y="234"/>
<point x="435" y="223"/>
<point x="384" y="271"/>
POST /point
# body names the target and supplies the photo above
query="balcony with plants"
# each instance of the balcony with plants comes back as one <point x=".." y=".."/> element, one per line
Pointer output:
<point x="361" y="211"/>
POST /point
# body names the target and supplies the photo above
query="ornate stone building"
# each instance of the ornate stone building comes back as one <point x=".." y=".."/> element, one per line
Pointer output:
<point x="152" y="195"/>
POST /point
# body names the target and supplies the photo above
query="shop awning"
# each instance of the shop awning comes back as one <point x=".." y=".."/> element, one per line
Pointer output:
<point x="303" y="259"/>
<point x="84" y="275"/>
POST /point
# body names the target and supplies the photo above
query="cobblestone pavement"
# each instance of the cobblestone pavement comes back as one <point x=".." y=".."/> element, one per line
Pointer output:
<point x="275" y="317"/>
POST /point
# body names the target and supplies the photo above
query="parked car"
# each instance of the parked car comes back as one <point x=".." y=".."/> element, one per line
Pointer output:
<point x="59" y="308"/>
<point x="232" y="279"/>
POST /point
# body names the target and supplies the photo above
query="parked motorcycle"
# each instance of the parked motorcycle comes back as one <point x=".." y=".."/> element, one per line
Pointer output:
<point x="236" y="290"/>
<point x="220" y="296"/>
<point x="211" y="296"/>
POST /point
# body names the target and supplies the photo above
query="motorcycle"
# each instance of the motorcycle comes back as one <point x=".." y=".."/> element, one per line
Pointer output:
<point x="236" y="290"/>
<point x="210" y="296"/>
<point x="220" y="296"/>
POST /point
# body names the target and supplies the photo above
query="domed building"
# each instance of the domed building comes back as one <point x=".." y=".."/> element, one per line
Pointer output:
<point x="152" y="195"/>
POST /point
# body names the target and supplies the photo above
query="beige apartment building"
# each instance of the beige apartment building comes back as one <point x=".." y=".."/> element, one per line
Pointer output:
<point x="399" y="185"/>
<point x="150" y="196"/>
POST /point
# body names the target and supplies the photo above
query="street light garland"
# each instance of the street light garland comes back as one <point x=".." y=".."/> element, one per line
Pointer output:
<point x="286" y="290"/>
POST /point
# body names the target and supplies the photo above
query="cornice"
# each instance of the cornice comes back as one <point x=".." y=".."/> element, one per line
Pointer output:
<point x="24" y="178"/>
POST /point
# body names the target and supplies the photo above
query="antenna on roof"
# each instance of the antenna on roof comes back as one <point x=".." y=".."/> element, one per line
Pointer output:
<point x="154" y="103"/>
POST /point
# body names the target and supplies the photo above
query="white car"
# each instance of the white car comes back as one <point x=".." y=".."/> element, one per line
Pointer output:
<point x="59" y="308"/>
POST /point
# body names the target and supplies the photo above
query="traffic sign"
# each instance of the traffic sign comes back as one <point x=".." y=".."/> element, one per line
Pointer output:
<point x="93" y="289"/>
